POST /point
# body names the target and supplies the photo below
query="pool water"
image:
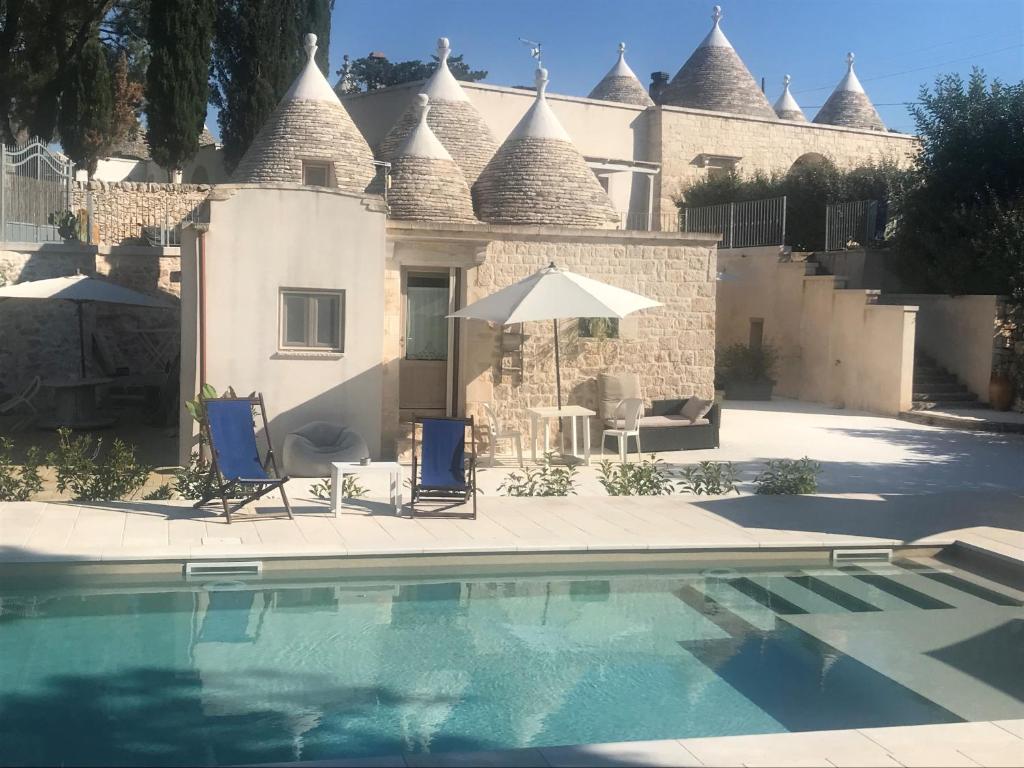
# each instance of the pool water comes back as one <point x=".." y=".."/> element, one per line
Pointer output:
<point x="310" y="669"/>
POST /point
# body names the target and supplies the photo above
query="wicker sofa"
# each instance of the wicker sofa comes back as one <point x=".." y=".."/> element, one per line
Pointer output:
<point x="662" y="427"/>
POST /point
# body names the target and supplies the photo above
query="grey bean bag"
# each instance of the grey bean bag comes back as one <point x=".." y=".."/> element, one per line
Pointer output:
<point x="309" y="451"/>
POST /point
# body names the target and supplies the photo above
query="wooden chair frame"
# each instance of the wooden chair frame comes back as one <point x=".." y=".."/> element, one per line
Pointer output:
<point x="419" y="492"/>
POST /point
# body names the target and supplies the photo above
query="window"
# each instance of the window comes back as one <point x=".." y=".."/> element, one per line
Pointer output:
<point x="313" y="320"/>
<point x="426" y="324"/>
<point x="316" y="174"/>
<point x="756" y="332"/>
<point x="599" y="327"/>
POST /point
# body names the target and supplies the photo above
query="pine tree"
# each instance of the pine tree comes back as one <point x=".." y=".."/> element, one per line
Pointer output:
<point x="180" y="34"/>
<point x="127" y="99"/>
<point x="257" y="53"/>
<point x="86" y="106"/>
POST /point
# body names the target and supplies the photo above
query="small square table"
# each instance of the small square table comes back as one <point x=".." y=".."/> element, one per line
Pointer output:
<point x="571" y="412"/>
<point x="341" y="468"/>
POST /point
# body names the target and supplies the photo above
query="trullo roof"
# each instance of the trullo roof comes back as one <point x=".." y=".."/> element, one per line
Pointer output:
<point x="849" y="105"/>
<point x="621" y="84"/>
<point x="786" y="107"/>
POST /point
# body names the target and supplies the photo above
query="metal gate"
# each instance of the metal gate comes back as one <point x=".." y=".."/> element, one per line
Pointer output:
<point x="35" y="193"/>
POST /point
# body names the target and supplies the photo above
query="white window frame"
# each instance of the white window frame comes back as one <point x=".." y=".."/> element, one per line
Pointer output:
<point x="311" y="344"/>
<point x="325" y="165"/>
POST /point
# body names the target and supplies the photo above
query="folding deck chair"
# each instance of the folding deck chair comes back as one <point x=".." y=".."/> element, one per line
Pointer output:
<point x="441" y="468"/>
<point x="231" y="432"/>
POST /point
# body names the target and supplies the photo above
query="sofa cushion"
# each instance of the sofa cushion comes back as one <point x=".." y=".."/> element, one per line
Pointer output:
<point x="696" y="408"/>
<point x="657" y="422"/>
<point x="614" y="388"/>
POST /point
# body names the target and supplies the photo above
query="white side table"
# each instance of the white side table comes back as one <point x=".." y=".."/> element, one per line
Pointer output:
<point x="571" y="412"/>
<point x="341" y="468"/>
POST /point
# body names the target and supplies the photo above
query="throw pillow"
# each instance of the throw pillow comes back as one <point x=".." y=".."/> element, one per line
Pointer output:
<point x="695" y="408"/>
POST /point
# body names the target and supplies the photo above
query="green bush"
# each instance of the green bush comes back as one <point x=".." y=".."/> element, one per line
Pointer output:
<point x="740" y="363"/>
<point x="646" y="478"/>
<point x="162" y="493"/>
<point x="95" y="475"/>
<point x="350" y="488"/>
<point x="545" y="480"/>
<point x="18" y="483"/>
<point x="195" y="481"/>
<point x="709" y="478"/>
<point x="789" y="476"/>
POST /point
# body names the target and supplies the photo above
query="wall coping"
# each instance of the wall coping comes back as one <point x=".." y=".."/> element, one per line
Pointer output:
<point x="83" y="249"/>
<point x="429" y="230"/>
<point x="222" y="192"/>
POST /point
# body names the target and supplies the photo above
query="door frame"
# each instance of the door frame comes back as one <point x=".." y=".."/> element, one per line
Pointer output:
<point x="452" y="401"/>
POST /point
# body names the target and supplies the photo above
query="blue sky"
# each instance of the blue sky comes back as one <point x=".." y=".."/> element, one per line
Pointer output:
<point x="899" y="44"/>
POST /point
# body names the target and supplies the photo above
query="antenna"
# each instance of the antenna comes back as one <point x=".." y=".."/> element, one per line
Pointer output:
<point x="534" y="49"/>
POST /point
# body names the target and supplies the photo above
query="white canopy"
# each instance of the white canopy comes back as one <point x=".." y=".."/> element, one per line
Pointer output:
<point x="79" y="288"/>
<point x="552" y="294"/>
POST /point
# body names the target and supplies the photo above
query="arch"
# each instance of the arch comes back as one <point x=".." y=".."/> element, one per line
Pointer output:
<point x="810" y="159"/>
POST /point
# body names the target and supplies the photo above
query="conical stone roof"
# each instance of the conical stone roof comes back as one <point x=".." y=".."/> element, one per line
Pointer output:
<point x="426" y="184"/>
<point x="539" y="177"/>
<point x="309" y="124"/>
<point x="786" y="107"/>
<point x="621" y="84"/>
<point x="849" y="105"/>
<point x="715" y="78"/>
<point x="453" y="119"/>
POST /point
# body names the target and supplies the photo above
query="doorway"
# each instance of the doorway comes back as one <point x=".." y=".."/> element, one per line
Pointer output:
<point x="426" y="370"/>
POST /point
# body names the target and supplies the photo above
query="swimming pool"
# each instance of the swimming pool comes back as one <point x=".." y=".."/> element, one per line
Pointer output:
<point x="313" y="668"/>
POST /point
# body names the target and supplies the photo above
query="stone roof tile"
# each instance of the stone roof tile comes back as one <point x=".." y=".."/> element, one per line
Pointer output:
<point x="849" y="105"/>
<point x="621" y="84"/>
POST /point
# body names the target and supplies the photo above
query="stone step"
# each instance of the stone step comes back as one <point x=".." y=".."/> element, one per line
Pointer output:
<point x="952" y="421"/>
<point x="939" y="387"/>
<point x="948" y="397"/>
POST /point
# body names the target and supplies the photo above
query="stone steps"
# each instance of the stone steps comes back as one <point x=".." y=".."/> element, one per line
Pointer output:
<point x="935" y="387"/>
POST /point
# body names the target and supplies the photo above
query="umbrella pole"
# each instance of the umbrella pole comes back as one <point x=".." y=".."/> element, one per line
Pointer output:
<point x="558" y="367"/>
<point x="81" y="337"/>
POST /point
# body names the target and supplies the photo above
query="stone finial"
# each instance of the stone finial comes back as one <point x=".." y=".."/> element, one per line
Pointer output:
<point x="786" y="81"/>
<point x="422" y="106"/>
<point x="716" y="14"/>
<point x="541" y="81"/>
<point x="622" y="49"/>
<point x="309" y="43"/>
<point x="849" y="61"/>
<point x="444" y="49"/>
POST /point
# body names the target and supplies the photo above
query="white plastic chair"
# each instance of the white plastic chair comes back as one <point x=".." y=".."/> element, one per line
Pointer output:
<point x="629" y="412"/>
<point x="497" y="433"/>
<point x="24" y="398"/>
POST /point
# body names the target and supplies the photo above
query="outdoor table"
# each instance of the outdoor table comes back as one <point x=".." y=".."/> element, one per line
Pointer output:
<point x="75" y="404"/>
<point x="571" y="412"/>
<point x="341" y="468"/>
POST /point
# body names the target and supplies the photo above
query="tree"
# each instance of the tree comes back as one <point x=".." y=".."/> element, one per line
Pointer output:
<point x="180" y="33"/>
<point x="257" y="53"/>
<point x="961" y="224"/>
<point x="86" y="106"/>
<point x="127" y="100"/>
<point x="372" y="72"/>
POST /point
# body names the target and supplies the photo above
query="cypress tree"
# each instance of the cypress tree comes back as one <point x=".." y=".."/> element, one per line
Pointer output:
<point x="257" y="53"/>
<point x="177" y="90"/>
<point x="86" y="107"/>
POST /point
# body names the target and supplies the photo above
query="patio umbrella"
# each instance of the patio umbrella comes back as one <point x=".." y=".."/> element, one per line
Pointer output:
<point x="552" y="294"/>
<point x="80" y="289"/>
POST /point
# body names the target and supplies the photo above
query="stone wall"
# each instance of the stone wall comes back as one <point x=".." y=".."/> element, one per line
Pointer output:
<point x="40" y="338"/>
<point x="671" y="347"/>
<point x="121" y="209"/>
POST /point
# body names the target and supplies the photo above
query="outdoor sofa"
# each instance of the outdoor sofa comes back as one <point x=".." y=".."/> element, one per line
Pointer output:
<point x="663" y="427"/>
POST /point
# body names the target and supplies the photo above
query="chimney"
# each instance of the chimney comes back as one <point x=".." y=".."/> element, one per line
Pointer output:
<point x="658" y="82"/>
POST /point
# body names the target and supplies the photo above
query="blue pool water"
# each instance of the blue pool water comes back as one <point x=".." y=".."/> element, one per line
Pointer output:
<point x="314" y="668"/>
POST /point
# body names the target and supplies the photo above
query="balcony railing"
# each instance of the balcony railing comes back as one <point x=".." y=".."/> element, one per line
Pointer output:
<point x="746" y="224"/>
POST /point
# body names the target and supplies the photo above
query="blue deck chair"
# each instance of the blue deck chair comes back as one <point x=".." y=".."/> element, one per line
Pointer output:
<point x="236" y="467"/>
<point x="441" y="467"/>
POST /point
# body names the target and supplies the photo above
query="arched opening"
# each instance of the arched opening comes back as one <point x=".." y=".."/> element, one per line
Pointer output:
<point x="810" y="160"/>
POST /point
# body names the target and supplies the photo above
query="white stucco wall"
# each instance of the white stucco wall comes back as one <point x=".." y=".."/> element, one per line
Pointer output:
<point x="262" y="239"/>
<point x="958" y="332"/>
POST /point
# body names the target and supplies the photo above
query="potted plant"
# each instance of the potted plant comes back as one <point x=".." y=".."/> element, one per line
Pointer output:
<point x="1001" y="386"/>
<point x="746" y="373"/>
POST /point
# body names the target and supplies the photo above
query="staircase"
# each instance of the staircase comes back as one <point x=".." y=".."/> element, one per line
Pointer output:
<point x="937" y="388"/>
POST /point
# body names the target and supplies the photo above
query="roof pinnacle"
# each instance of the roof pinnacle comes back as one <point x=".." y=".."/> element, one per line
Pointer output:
<point x="716" y="14"/>
<point x="444" y="49"/>
<point x="786" y="81"/>
<point x="849" y="61"/>
<point x="309" y="43"/>
<point x="541" y="80"/>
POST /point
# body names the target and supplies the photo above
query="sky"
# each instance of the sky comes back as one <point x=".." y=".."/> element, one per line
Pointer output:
<point x="899" y="44"/>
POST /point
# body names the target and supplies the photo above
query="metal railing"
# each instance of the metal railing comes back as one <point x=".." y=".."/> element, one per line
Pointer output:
<point x="746" y="224"/>
<point x="852" y="224"/>
<point x="35" y="193"/>
<point x="642" y="221"/>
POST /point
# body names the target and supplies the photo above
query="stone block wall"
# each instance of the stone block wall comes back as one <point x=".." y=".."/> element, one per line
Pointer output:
<point x="40" y="338"/>
<point x="120" y="209"/>
<point x="671" y="347"/>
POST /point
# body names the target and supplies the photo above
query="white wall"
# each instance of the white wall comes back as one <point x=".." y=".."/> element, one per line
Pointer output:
<point x="262" y="239"/>
<point x="958" y="332"/>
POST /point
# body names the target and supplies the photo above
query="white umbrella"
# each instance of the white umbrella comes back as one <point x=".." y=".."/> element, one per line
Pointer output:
<point x="552" y="294"/>
<point x="80" y="289"/>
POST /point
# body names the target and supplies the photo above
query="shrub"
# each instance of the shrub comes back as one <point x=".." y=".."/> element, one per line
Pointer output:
<point x="789" y="476"/>
<point x="709" y="478"/>
<point x="93" y="475"/>
<point x="161" y="493"/>
<point x="545" y="480"/>
<point x="350" y="488"/>
<point x="740" y="363"/>
<point x="646" y="478"/>
<point x="195" y="481"/>
<point x="18" y="484"/>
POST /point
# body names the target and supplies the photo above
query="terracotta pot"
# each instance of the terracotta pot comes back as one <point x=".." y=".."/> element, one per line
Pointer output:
<point x="1000" y="392"/>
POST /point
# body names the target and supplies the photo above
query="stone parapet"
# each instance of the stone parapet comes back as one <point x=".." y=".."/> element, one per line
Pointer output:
<point x="121" y="209"/>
